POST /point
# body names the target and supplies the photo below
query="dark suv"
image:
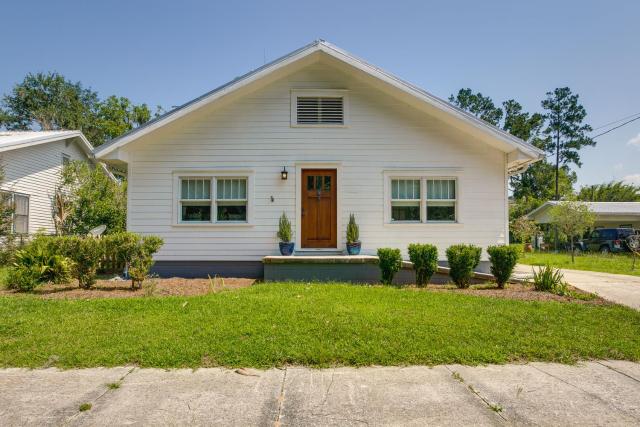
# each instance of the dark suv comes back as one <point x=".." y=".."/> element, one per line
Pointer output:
<point x="606" y="240"/>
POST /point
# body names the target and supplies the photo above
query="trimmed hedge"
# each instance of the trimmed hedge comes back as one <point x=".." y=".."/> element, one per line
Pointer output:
<point x="390" y="262"/>
<point x="503" y="261"/>
<point x="425" y="262"/>
<point x="462" y="260"/>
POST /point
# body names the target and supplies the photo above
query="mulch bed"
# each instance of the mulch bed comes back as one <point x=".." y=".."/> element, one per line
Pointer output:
<point x="176" y="286"/>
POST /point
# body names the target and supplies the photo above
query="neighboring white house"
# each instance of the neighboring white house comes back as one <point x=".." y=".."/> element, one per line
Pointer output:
<point x="32" y="163"/>
<point x="208" y="176"/>
<point x="608" y="214"/>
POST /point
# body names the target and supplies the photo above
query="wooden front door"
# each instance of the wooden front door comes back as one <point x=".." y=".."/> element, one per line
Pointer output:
<point x="319" y="208"/>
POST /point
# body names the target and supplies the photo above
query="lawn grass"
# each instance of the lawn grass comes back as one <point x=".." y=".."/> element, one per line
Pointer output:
<point x="315" y="325"/>
<point x="612" y="263"/>
<point x="4" y="272"/>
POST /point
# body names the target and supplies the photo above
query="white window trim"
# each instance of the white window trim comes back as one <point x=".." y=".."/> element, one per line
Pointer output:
<point x="213" y="174"/>
<point x="336" y="93"/>
<point x="423" y="175"/>
<point x="12" y="195"/>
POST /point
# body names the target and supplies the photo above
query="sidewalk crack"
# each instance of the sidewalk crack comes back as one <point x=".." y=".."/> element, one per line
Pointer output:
<point x="618" y="371"/>
<point x="277" y="422"/>
<point x="496" y="408"/>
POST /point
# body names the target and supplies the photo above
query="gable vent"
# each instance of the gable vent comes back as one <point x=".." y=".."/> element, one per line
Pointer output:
<point x="320" y="110"/>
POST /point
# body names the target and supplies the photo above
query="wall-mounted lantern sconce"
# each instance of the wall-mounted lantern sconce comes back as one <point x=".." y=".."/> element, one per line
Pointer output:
<point x="283" y="173"/>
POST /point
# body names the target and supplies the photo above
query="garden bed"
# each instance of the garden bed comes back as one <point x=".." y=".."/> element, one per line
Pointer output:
<point x="176" y="286"/>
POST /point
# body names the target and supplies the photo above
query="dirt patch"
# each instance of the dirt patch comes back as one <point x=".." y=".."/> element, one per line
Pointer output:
<point x="519" y="291"/>
<point x="174" y="286"/>
<point x="177" y="286"/>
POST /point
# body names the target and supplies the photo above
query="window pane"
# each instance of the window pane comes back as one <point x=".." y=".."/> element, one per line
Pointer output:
<point x="184" y="192"/>
<point x="195" y="189"/>
<point x="441" y="189"/>
<point x="327" y="183"/>
<point x="310" y="182"/>
<point x="193" y="212"/>
<point x="232" y="211"/>
<point x="20" y="224"/>
<point x="441" y="211"/>
<point x="232" y="189"/>
<point x="405" y="211"/>
<point x="405" y="189"/>
<point x="21" y="204"/>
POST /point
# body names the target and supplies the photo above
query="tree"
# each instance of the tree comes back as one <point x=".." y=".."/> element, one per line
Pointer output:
<point x="92" y="199"/>
<point x="524" y="229"/>
<point x="610" y="192"/>
<point x="479" y="105"/>
<point x="573" y="219"/>
<point x="48" y="101"/>
<point x="565" y="132"/>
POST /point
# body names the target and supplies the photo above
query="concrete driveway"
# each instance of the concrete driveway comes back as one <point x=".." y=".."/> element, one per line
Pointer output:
<point x="593" y="393"/>
<point x="620" y="288"/>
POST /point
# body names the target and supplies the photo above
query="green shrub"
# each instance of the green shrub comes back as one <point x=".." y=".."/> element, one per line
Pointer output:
<point x="353" y="231"/>
<point x="390" y="262"/>
<point x="425" y="261"/>
<point x="142" y="258"/>
<point x="23" y="278"/>
<point x="284" y="229"/>
<point x="36" y="264"/>
<point x="549" y="279"/>
<point x="503" y="261"/>
<point x="462" y="260"/>
<point x="86" y="254"/>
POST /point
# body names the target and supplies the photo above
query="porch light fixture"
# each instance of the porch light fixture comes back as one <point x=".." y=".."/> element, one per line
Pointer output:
<point x="284" y="174"/>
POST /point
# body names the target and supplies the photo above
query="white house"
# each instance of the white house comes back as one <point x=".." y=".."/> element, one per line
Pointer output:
<point x="32" y="163"/>
<point x="352" y="138"/>
<point x="608" y="214"/>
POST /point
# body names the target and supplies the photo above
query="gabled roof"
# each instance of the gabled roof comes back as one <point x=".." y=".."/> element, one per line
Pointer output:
<point x="531" y="152"/>
<point x="11" y="140"/>
<point x="599" y="208"/>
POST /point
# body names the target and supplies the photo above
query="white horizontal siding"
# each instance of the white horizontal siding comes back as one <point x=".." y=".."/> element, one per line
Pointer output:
<point x="255" y="133"/>
<point x="36" y="171"/>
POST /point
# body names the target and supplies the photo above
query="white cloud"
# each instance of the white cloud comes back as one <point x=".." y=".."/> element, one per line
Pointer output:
<point x="635" y="141"/>
<point x="632" y="179"/>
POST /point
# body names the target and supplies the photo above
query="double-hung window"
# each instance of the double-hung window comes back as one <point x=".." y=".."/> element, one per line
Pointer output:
<point x="422" y="200"/>
<point x="18" y="205"/>
<point x="213" y="199"/>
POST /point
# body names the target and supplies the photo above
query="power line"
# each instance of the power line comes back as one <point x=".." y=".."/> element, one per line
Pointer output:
<point x="615" y="121"/>
<point x="616" y="127"/>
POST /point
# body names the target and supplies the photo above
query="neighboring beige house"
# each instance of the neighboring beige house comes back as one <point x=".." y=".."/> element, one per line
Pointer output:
<point x="208" y="176"/>
<point x="608" y="214"/>
<point x="32" y="162"/>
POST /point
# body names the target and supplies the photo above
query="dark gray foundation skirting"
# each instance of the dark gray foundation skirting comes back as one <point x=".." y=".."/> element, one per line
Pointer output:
<point x="201" y="269"/>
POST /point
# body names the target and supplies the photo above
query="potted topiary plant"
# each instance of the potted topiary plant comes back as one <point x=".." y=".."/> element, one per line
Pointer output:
<point x="284" y="234"/>
<point x="353" y="236"/>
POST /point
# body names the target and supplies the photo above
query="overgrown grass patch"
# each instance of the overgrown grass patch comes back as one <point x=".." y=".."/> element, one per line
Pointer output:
<point x="309" y="324"/>
<point x="610" y="263"/>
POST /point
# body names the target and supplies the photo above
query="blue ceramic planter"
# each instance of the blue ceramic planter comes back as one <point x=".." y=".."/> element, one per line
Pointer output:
<point x="286" y="248"/>
<point x="353" y="248"/>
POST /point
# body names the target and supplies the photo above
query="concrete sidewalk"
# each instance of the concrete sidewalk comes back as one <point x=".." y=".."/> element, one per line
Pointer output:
<point x="619" y="288"/>
<point x="593" y="393"/>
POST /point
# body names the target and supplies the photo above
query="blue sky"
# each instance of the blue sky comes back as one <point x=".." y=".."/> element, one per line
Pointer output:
<point x="169" y="52"/>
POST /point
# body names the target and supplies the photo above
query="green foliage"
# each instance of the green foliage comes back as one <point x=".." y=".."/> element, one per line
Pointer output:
<point x="284" y="228"/>
<point x="425" y="261"/>
<point x="477" y="104"/>
<point x="50" y="101"/>
<point x="390" y="262"/>
<point x="36" y="264"/>
<point x="142" y="258"/>
<point x="93" y="199"/>
<point x="462" y="260"/>
<point x="549" y="279"/>
<point x="6" y="208"/>
<point x="537" y="183"/>
<point x="503" y="261"/>
<point x="524" y="229"/>
<point x="86" y="253"/>
<point x="610" y="192"/>
<point x="572" y="219"/>
<point x="353" y="231"/>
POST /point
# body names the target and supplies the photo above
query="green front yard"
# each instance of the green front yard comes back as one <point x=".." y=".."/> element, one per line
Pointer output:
<point x="617" y="264"/>
<point x="317" y="325"/>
